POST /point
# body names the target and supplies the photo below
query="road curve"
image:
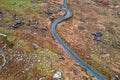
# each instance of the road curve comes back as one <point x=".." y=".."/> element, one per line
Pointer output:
<point x="71" y="53"/>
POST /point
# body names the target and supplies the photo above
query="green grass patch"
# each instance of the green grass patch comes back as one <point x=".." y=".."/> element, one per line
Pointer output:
<point x="3" y="31"/>
<point x="18" y="4"/>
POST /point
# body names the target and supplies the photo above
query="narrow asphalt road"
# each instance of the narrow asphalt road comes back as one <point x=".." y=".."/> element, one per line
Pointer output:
<point x="71" y="53"/>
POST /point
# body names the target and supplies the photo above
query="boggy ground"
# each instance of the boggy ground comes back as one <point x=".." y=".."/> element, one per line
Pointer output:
<point x="31" y="52"/>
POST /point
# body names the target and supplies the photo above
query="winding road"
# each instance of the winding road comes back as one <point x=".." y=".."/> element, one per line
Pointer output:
<point x="71" y="53"/>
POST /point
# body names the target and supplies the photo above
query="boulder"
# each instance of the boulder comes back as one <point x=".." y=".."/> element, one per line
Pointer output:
<point x="57" y="75"/>
<point x="48" y="12"/>
<point x="1" y="19"/>
<point x="115" y="77"/>
<point x="35" y="46"/>
<point x="13" y="3"/>
<point x="104" y="52"/>
<point x="1" y="12"/>
<point x="3" y="35"/>
<point x="42" y="78"/>
<point x="97" y="36"/>
<point x="118" y="13"/>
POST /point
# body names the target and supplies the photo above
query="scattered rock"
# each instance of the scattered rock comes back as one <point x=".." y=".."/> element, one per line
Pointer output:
<point x="75" y="79"/>
<point x="45" y="28"/>
<point x="17" y="24"/>
<point x="61" y="57"/>
<point x="115" y="77"/>
<point x="88" y="78"/>
<point x="14" y="3"/>
<point x="20" y="5"/>
<point x="35" y="46"/>
<point x="88" y="2"/>
<point x="88" y="57"/>
<point x="30" y="20"/>
<point x="118" y="13"/>
<point x="114" y="45"/>
<point x="82" y="19"/>
<point x="33" y="6"/>
<point x="35" y="25"/>
<point x="80" y="27"/>
<point x="59" y="8"/>
<point x="1" y="12"/>
<point x="104" y="52"/>
<point x="97" y="39"/>
<point x="3" y="35"/>
<point x="57" y="75"/>
<point x="97" y="35"/>
<point x="3" y="56"/>
<point x="42" y="78"/>
<point x="38" y="60"/>
<point x="14" y="15"/>
<point x="44" y="1"/>
<point x="1" y="19"/>
<point x="48" y="12"/>
<point x="4" y="61"/>
<point x="75" y="70"/>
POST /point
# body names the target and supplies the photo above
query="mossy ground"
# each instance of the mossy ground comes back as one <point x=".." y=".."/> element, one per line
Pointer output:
<point x="20" y="5"/>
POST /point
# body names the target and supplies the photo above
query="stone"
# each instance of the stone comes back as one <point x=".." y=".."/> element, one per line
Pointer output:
<point x="3" y="35"/>
<point x="45" y="28"/>
<point x="35" y="46"/>
<point x="75" y="79"/>
<point x="42" y="78"/>
<point x="114" y="45"/>
<point x="75" y="70"/>
<point x="82" y="19"/>
<point x="17" y="24"/>
<point x="88" y="2"/>
<point x="118" y="13"/>
<point x="97" y="39"/>
<point x="4" y="60"/>
<point x="99" y="34"/>
<point x="59" y="8"/>
<point x="44" y="1"/>
<point x="61" y="57"/>
<point x="33" y="6"/>
<point x="14" y="15"/>
<point x="87" y="78"/>
<point x="48" y="12"/>
<point x="1" y="12"/>
<point x="14" y="3"/>
<point x="20" y="5"/>
<point x="104" y="52"/>
<point x="115" y="77"/>
<point x="57" y="75"/>
<point x="1" y="19"/>
<point x="35" y="25"/>
<point x="80" y="27"/>
<point x="93" y="33"/>
<point x="38" y="60"/>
